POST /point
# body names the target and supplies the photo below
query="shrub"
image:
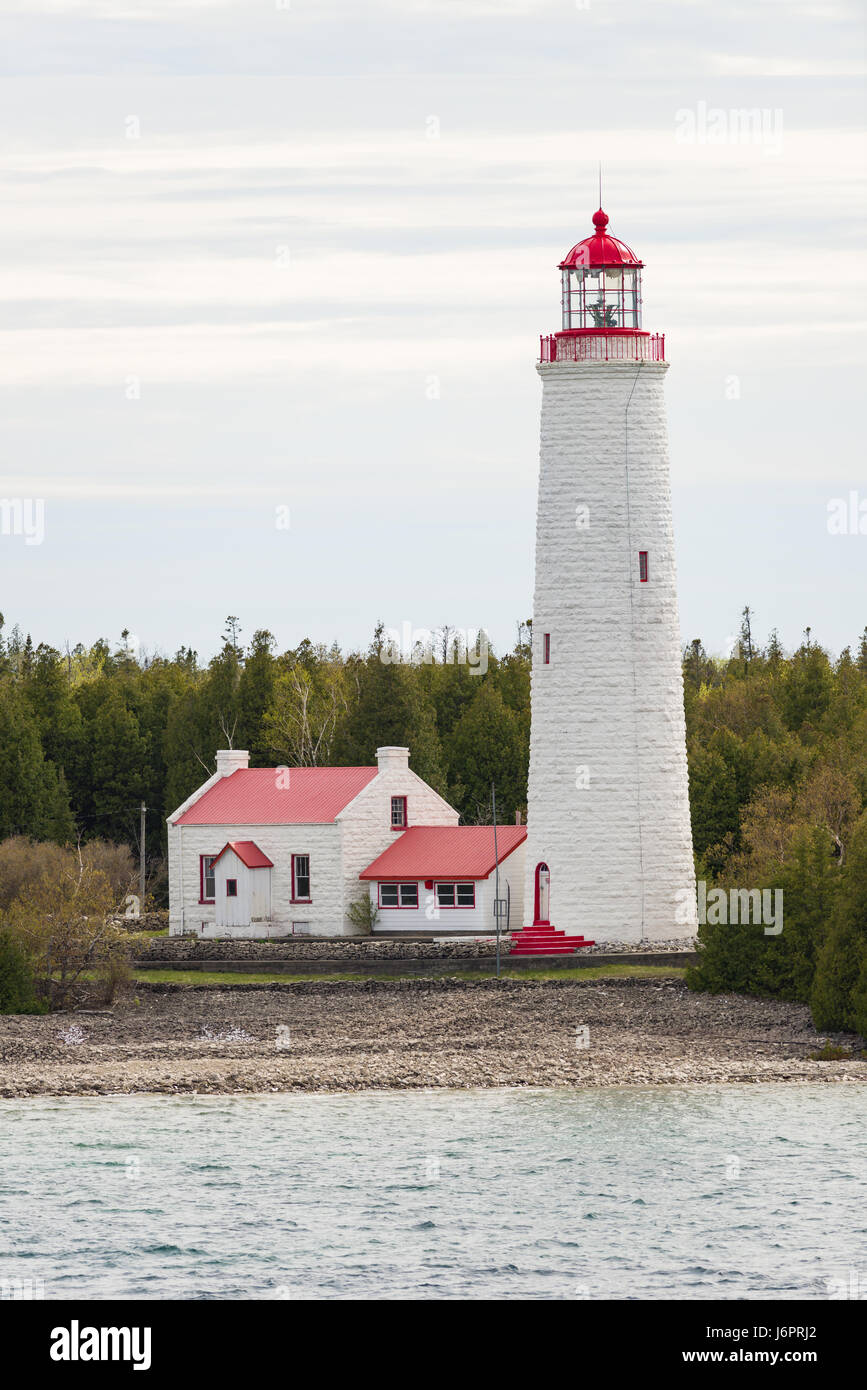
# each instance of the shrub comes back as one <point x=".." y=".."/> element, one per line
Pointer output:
<point x="115" y="862"/>
<point x="24" y="862"/>
<point x="842" y="962"/>
<point x="65" y="923"/>
<point x="17" y="987"/>
<point x="363" y="914"/>
<point x="743" y="959"/>
<point x="839" y="992"/>
<point x="114" y="974"/>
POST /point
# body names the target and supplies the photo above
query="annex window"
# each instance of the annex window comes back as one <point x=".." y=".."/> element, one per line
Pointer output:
<point x="398" y="895"/>
<point x="231" y="888"/>
<point x="300" y="878"/>
<point x="642" y="566"/>
<point x="398" y="813"/>
<point x="547" y="647"/>
<point x="206" y="878"/>
<point x="456" y="895"/>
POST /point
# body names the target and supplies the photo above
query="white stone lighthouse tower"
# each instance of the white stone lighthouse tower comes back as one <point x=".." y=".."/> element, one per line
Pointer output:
<point x="609" y="844"/>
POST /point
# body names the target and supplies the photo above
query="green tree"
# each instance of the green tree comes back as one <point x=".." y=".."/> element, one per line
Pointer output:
<point x="842" y="959"/>
<point x="714" y="803"/>
<point x="118" y="768"/>
<point x="488" y="746"/>
<point x="17" y="985"/>
<point x="255" y="691"/>
<point x="33" y="797"/>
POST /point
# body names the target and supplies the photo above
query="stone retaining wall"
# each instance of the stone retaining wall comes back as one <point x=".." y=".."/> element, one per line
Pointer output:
<point x="182" y="948"/>
<point x="342" y="951"/>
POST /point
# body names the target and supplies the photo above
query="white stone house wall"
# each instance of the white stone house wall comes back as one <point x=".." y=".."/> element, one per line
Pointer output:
<point x="279" y="842"/>
<point x="366" y="821"/>
<point x="608" y="802"/>
<point x="428" y="917"/>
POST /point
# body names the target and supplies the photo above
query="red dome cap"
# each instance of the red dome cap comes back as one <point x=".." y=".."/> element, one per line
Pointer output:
<point x="600" y="249"/>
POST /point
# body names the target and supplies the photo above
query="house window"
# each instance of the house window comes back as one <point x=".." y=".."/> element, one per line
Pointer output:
<point x="231" y="888"/>
<point x="206" y="878"/>
<point x="642" y="566"/>
<point x="398" y="895"/>
<point x="547" y="648"/>
<point x="456" y="895"/>
<point x="398" y="813"/>
<point x="301" y="878"/>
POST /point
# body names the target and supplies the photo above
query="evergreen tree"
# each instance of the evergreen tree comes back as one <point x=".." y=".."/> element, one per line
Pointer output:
<point x="488" y="746"/>
<point x="842" y="962"/>
<point x="33" y="798"/>
<point x="118" y="770"/>
<point x="714" y="803"/>
<point x="255" y="692"/>
<point x="774" y="653"/>
<point x="807" y="687"/>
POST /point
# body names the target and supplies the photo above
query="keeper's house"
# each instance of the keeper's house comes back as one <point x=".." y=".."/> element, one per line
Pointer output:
<point x="263" y="852"/>
<point x="443" y="878"/>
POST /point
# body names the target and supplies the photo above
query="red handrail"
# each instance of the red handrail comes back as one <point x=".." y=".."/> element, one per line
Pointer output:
<point x="601" y="348"/>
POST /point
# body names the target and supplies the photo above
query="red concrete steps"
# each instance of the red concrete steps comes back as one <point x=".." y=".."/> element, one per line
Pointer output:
<point x="545" y="941"/>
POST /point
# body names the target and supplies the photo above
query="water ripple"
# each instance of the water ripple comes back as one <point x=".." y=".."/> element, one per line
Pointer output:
<point x="684" y="1192"/>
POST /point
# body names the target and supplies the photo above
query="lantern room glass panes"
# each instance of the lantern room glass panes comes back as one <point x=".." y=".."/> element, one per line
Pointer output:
<point x="595" y="297"/>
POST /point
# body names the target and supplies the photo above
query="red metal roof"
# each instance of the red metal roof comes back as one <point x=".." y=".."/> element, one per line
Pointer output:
<point x="445" y="851"/>
<point x="248" y="852"/>
<point x="279" y="796"/>
<point x="600" y="248"/>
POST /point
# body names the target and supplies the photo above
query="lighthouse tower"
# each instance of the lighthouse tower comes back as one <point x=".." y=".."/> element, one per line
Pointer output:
<point x="609" y="844"/>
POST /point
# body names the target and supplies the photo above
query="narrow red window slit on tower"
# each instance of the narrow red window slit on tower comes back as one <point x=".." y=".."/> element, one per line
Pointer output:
<point x="642" y="566"/>
<point x="547" y="648"/>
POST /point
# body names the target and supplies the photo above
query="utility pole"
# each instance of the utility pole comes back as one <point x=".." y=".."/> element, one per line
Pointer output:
<point x="496" y="875"/>
<point x="141" y="860"/>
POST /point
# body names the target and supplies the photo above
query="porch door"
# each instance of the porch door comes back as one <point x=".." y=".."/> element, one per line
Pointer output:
<point x="543" y="889"/>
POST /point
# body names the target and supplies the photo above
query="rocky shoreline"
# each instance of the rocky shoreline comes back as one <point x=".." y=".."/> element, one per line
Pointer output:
<point x="383" y="1034"/>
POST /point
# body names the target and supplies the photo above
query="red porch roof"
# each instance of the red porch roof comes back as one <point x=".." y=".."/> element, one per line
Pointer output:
<point x="445" y="851"/>
<point x="248" y="852"/>
<point x="279" y="796"/>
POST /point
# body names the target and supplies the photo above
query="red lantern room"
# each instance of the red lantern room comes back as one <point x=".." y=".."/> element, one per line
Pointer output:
<point x="601" y="300"/>
<point x="601" y="283"/>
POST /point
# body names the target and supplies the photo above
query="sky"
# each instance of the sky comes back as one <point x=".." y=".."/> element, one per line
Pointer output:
<point x="273" y="277"/>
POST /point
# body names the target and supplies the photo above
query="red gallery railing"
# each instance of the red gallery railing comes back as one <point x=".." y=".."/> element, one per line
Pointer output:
<point x="602" y="347"/>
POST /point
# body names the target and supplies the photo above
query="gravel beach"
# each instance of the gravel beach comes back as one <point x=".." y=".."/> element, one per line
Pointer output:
<point x="383" y="1034"/>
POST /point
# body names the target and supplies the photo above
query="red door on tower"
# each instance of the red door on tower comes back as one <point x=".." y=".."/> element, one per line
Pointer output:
<point x="542" y="914"/>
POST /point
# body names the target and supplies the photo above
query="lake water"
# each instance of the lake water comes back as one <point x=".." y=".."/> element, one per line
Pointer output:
<point x="686" y="1192"/>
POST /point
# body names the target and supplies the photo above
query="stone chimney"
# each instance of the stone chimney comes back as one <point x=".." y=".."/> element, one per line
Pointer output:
<point x="229" y="760"/>
<point x="392" y="759"/>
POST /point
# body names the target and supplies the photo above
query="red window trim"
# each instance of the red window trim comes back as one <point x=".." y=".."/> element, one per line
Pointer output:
<point x="293" y="898"/>
<point x="547" y="648"/>
<point x="643" y="567"/>
<point x="455" y="906"/>
<point x="398" y="906"/>
<point x="202" y="858"/>
<point x="405" y="824"/>
<point x="228" y="894"/>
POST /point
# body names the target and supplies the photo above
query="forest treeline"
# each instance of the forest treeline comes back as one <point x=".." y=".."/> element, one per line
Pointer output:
<point x="777" y="748"/>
